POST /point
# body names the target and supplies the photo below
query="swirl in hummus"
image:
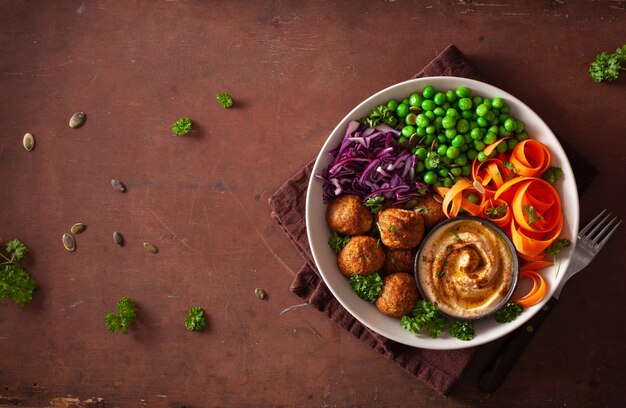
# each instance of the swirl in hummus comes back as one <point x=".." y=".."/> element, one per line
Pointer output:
<point x="466" y="268"/>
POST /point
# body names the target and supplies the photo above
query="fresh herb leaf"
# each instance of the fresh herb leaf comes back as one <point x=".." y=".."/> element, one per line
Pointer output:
<point x="555" y="248"/>
<point x="224" y="99"/>
<point x="424" y="315"/>
<point x="380" y="114"/>
<point x="552" y="174"/>
<point x="367" y="287"/>
<point x="375" y="204"/>
<point x="462" y="330"/>
<point x="195" y="319"/>
<point x="420" y="210"/>
<point x="510" y="166"/>
<point x="126" y="314"/>
<point x="391" y="229"/>
<point x="508" y="313"/>
<point x="337" y="242"/>
<point x="182" y="126"/>
<point x="497" y="212"/>
<point x="606" y="66"/>
<point x="531" y="213"/>
<point x="432" y="160"/>
<point x="15" y="282"/>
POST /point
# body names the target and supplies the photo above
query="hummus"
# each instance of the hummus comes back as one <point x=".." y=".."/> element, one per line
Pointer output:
<point x="467" y="268"/>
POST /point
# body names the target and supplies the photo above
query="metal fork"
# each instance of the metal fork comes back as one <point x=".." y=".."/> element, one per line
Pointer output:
<point x="590" y="241"/>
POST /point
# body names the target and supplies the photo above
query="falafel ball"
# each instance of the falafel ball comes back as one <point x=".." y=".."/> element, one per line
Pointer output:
<point x="431" y="210"/>
<point x="348" y="215"/>
<point x="362" y="255"/>
<point x="398" y="260"/>
<point x="400" y="228"/>
<point x="399" y="295"/>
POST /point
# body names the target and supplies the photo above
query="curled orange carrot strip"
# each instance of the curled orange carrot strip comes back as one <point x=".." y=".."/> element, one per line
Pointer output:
<point x="538" y="291"/>
<point x="535" y="266"/>
<point x="490" y="148"/>
<point x="537" y="206"/>
<point x="453" y="199"/>
<point x="530" y="157"/>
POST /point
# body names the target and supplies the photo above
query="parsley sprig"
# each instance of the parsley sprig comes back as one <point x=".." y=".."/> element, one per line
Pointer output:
<point x="195" y="319"/>
<point x="182" y="126"/>
<point x="368" y="287"/>
<point x="426" y="316"/>
<point x="380" y="114"/>
<point x="337" y="242"/>
<point x="375" y="204"/>
<point x="552" y="174"/>
<point x="125" y="316"/>
<point x="555" y="248"/>
<point x="15" y="282"/>
<point x="508" y="313"/>
<point x="606" y="66"/>
<point x="224" y="99"/>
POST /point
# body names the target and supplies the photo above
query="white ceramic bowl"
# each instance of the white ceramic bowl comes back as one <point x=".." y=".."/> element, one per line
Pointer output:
<point x="326" y="260"/>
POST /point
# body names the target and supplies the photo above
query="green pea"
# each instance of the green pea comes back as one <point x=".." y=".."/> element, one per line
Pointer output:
<point x="420" y="167"/>
<point x="451" y="96"/>
<point x="438" y="121"/>
<point x="497" y="102"/>
<point x="430" y="129"/>
<point x="429" y="92"/>
<point x="502" y="118"/>
<point x="465" y="170"/>
<point x="487" y="101"/>
<point x="428" y="139"/>
<point x="410" y="118"/>
<point x="422" y="120"/>
<point x="421" y="130"/>
<point x="482" y="122"/>
<point x="439" y="111"/>
<point x="489" y="138"/>
<point x="471" y="154"/>
<point x="421" y="153"/>
<point x="453" y="152"/>
<point x="482" y="109"/>
<point x="445" y="160"/>
<point x="502" y="147"/>
<point x="458" y="141"/>
<point x="502" y="131"/>
<point x="511" y="143"/>
<point x="430" y="177"/>
<point x="462" y="126"/>
<point x="493" y="129"/>
<point x="450" y="133"/>
<point x="392" y="105"/>
<point x="482" y="157"/>
<point x="461" y="160"/>
<point x="441" y="138"/>
<point x="510" y="124"/>
<point x="473" y="198"/>
<point x="428" y="105"/>
<point x="504" y="109"/>
<point x="521" y="136"/>
<point x="441" y="150"/>
<point x="477" y="100"/>
<point x="448" y="122"/>
<point x="453" y="113"/>
<point x="477" y="133"/>
<point x="405" y="101"/>
<point x="478" y="145"/>
<point x="456" y="171"/>
<point x="465" y="104"/>
<point x="408" y="131"/>
<point x="467" y="138"/>
<point x="447" y="182"/>
<point x="446" y="106"/>
<point x="415" y="99"/>
<point x="462" y="92"/>
<point x="430" y="115"/>
<point x="467" y="114"/>
<point x="439" y="98"/>
<point x="442" y="172"/>
<point x="402" y="110"/>
<point x="520" y="126"/>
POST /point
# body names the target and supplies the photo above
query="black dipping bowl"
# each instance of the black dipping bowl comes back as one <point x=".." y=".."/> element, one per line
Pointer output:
<point x="505" y="238"/>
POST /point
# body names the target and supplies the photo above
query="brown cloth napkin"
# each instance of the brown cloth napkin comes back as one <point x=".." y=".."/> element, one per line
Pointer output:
<point x="438" y="369"/>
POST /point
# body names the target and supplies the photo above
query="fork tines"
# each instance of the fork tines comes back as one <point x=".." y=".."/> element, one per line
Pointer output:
<point x="596" y="237"/>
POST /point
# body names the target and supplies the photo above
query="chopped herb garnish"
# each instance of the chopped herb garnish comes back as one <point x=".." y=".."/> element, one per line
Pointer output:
<point x="552" y="174"/>
<point x="510" y="166"/>
<point x="337" y="242"/>
<point x="380" y="114"/>
<point x="425" y="315"/>
<point x="497" y="212"/>
<point x="367" y="287"/>
<point x="555" y="248"/>
<point x="375" y="204"/>
<point x="392" y="229"/>
<point x="432" y="160"/>
<point x="462" y="330"/>
<point x="531" y="213"/>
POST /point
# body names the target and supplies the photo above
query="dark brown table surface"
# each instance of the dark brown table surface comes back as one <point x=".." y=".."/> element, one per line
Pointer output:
<point x="295" y="69"/>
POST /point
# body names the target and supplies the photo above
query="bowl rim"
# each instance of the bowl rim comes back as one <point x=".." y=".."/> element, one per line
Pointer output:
<point x="314" y="203"/>
<point x="515" y="270"/>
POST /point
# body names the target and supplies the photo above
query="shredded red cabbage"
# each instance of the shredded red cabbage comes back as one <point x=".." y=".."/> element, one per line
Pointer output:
<point x="369" y="162"/>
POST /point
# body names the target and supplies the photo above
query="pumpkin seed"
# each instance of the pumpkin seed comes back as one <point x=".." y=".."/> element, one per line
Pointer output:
<point x="77" y="119"/>
<point x="260" y="293"/>
<point x="28" y="142"/>
<point x="479" y="187"/>
<point x="413" y="140"/>
<point x="151" y="248"/>
<point x="118" y="185"/>
<point x="77" y="228"/>
<point x="118" y="238"/>
<point x="68" y="242"/>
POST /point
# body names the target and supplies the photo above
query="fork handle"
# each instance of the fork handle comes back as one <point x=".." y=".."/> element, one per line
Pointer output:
<point x="496" y="371"/>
